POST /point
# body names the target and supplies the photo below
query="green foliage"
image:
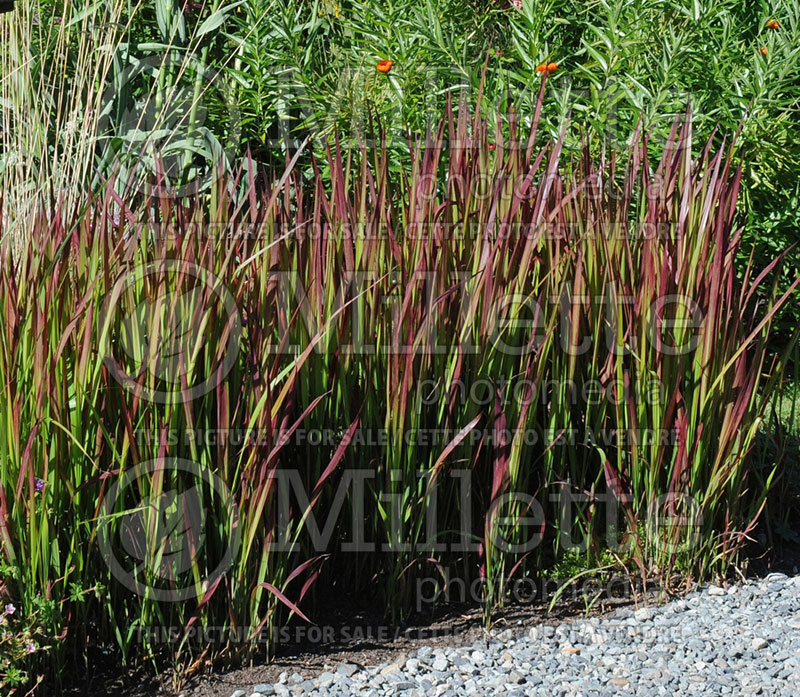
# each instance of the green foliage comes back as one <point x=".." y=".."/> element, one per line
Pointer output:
<point x="356" y="173"/>
<point x="113" y="331"/>
<point x="20" y="638"/>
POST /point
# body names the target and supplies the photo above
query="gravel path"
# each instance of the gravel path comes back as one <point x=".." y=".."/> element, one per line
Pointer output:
<point x="741" y="641"/>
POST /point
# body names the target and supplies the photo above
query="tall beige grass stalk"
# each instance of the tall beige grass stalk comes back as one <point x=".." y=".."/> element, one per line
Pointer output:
<point x="54" y="74"/>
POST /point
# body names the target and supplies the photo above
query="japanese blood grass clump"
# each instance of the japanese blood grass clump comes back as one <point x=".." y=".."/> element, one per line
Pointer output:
<point x="469" y="334"/>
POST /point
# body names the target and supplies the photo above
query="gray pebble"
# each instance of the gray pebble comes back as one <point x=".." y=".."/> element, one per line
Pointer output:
<point x="347" y="669"/>
<point x="742" y="640"/>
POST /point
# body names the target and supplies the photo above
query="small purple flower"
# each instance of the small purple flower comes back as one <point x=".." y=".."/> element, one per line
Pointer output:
<point x="9" y="609"/>
<point x="30" y="647"/>
<point x="38" y="484"/>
